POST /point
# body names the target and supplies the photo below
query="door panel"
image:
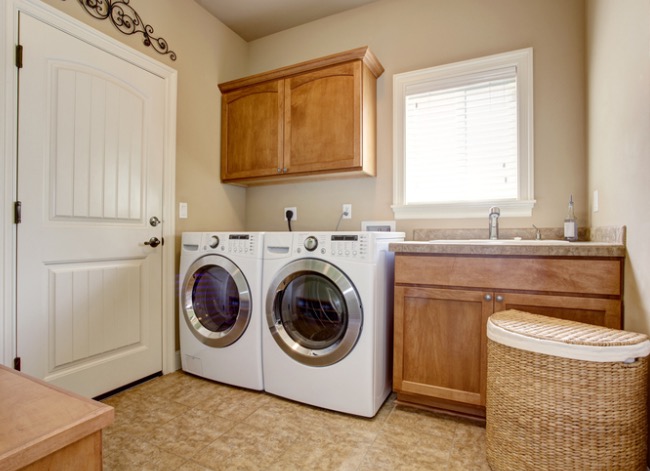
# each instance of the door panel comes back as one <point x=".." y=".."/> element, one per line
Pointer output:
<point x="89" y="178"/>
<point x="252" y="130"/>
<point x="322" y="128"/>
<point x="428" y="360"/>
<point x="596" y="311"/>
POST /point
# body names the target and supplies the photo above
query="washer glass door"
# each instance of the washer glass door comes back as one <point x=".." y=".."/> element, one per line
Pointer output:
<point x="216" y="301"/>
<point x="314" y="312"/>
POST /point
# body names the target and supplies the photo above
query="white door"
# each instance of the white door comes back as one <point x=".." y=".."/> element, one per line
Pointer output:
<point x="90" y="179"/>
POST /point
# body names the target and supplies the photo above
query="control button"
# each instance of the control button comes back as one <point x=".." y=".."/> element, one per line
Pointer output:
<point x="311" y="243"/>
<point x="214" y="242"/>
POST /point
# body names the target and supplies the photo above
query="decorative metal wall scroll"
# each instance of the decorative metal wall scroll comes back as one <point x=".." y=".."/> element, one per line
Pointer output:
<point x="127" y="21"/>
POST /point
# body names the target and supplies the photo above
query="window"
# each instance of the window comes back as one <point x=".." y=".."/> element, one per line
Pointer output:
<point x="463" y="138"/>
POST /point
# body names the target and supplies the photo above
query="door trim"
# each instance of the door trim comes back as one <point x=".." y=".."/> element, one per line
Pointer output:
<point x="8" y="171"/>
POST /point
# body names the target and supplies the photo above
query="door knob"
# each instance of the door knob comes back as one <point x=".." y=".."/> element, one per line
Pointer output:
<point x="154" y="221"/>
<point x="153" y="242"/>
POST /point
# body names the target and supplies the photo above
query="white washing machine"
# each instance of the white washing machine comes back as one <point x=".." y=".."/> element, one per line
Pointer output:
<point x="220" y="307"/>
<point x="327" y="335"/>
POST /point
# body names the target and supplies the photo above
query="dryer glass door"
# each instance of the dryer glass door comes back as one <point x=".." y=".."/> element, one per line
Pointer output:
<point x="216" y="301"/>
<point x="314" y="312"/>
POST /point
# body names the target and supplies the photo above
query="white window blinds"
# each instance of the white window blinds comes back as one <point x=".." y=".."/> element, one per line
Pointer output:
<point x="461" y="139"/>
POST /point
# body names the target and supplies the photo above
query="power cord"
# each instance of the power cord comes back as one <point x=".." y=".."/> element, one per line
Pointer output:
<point x="343" y="213"/>
<point x="289" y="216"/>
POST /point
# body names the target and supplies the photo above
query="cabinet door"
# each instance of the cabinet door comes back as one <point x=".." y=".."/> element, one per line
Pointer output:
<point x="251" y="131"/>
<point x="596" y="311"/>
<point x="440" y="343"/>
<point x="322" y="121"/>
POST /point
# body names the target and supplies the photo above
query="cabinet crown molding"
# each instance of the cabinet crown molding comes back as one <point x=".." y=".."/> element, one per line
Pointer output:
<point x="363" y="54"/>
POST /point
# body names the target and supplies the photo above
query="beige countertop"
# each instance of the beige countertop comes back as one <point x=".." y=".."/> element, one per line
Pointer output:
<point x="532" y="248"/>
<point x="594" y="242"/>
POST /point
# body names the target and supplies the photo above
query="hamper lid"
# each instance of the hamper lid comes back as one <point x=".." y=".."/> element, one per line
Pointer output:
<point x="564" y="338"/>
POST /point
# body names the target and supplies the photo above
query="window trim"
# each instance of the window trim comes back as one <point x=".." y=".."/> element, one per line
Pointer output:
<point x="522" y="60"/>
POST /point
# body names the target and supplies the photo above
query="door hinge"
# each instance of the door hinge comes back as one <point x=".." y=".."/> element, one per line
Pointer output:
<point x="19" y="56"/>
<point x="17" y="363"/>
<point x="18" y="212"/>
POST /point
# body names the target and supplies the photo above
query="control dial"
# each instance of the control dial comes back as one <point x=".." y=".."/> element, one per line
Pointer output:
<point x="311" y="243"/>
<point x="214" y="242"/>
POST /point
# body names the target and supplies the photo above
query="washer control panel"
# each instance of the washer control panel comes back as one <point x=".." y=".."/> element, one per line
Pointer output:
<point x="232" y="243"/>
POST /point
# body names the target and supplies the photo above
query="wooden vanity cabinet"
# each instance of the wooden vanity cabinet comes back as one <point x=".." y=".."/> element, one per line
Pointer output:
<point x="313" y="119"/>
<point x="442" y="304"/>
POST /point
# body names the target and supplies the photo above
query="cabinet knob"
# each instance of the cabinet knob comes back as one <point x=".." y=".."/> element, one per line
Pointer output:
<point x="279" y="170"/>
<point x="285" y="170"/>
<point x="499" y="298"/>
<point x="488" y="297"/>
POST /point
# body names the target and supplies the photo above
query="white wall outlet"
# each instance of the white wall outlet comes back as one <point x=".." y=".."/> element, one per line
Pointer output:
<point x="595" y="203"/>
<point x="182" y="210"/>
<point x="295" y="213"/>
<point x="347" y="211"/>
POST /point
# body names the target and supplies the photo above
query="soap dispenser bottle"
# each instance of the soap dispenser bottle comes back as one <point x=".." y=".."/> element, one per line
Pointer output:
<point x="571" y="223"/>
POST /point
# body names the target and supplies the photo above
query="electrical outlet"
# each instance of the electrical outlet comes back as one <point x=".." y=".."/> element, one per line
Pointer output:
<point x="295" y="213"/>
<point x="347" y="211"/>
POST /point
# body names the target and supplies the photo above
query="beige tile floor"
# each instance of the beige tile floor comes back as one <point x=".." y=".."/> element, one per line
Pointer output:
<point x="181" y="422"/>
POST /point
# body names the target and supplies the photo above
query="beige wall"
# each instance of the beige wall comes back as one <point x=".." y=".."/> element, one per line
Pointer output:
<point x="618" y="58"/>
<point x="413" y="34"/>
<point x="207" y="53"/>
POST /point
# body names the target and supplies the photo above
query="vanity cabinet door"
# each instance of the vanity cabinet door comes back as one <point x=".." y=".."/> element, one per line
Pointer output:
<point x="597" y="311"/>
<point x="440" y="345"/>
<point x="252" y="131"/>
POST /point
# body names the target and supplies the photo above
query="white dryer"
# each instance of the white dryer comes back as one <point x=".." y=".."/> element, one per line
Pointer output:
<point x="327" y="335"/>
<point x="220" y="309"/>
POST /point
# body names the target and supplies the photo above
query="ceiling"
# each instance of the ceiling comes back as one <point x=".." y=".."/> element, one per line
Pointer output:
<point x="253" y="19"/>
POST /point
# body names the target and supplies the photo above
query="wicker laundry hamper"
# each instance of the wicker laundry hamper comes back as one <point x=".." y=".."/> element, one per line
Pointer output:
<point x="563" y="395"/>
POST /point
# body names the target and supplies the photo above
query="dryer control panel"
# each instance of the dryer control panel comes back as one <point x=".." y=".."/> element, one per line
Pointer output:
<point x="353" y="246"/>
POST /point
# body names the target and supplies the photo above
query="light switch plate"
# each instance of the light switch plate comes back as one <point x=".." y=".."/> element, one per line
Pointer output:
<point x="182" y="210"/>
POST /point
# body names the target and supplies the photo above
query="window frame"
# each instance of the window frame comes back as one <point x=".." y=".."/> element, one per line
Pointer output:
<point x="523" y="205"/>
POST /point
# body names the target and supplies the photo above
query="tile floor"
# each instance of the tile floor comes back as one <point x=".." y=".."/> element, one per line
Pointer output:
<point x="181" y="422"/>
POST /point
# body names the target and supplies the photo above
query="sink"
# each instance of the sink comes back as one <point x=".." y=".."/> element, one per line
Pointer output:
<point x="501" y="242"/>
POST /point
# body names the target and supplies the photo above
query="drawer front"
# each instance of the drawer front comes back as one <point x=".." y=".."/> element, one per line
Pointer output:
<point x="570" y="275"/>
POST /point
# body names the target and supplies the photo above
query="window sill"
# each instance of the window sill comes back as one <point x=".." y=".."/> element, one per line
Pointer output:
<point x="464" y="210"/>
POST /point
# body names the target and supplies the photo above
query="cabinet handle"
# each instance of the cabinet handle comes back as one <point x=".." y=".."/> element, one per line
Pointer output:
<point x="488" y="297"/>
<point x="499" y="298"/>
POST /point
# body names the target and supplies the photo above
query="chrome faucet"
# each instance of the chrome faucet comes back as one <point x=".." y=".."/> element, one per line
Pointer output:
<point x="493" y="228"/>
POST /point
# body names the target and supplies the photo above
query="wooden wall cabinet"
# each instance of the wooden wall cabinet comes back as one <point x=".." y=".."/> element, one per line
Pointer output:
<point x="313" y="119"/>
<point x="442" y="304"/>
